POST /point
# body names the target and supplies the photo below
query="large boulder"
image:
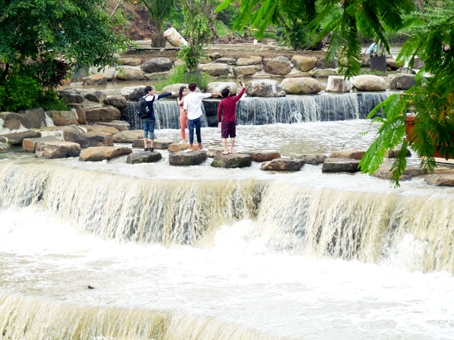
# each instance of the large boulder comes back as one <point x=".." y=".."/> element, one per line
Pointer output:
<point x="57" y="149"/>
<point x="264" y="88"/>
<point x="254" y="60"/>
<point x="95" y="79"/>
<point x="116" y="101"/>
<point x="29" y="144"/>
<point x="107" y="72"/>
<point x="133" y="93"/>
<point x="313" y="159"/>
<point x="215" y="69"/>
<point x="246" y="70"/>
<point x="183" y="158"/>
<point x="17" y="138"/>
<point x="89" y="139"/>
<point x="236" y="160"/>
<point x="101" y="128"/>
<point x="225" y="60"/>
<point x="338" y="84"/>
<point x="102" y="114"/>
<point x="278" y="65"/>
<point x="368" y="82"/>
<point x="130" y="73"/>
<point x="402" y="81"/>
<point x="303" y="63"/>
<point x="217" y="87"/>
<point x="143" y="157"/>
<point x="446" y="180"/>
<point x="157" y="65"/>
<point x="80" y="112"/>
<point x="70" y="96"/>
<point x="128" y="136"/>
<point x="61" y="118"/>
<point x="100" y="153"/>
<point x="301" y="86"/>
<point x="323" y="63"/>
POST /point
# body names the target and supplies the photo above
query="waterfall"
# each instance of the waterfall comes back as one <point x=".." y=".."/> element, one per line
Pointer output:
<point x="31" y="319"/>
<point x="372" y="227"/>
<point x="261" y="111"/>
<point x="167" y="115"/>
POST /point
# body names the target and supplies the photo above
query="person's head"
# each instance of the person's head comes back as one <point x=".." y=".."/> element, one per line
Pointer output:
<point x="149" y="89"/>
<point x="225" y="92"/>
<point x="183" y="91"/>
<point x="192" y="87"/>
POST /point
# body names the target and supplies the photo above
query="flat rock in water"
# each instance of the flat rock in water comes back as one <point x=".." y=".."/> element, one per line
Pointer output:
<point x="160" y="144"/>
<point x="283" y="164"/>
<point x="440" y="180"/>
<point x="384" y="172"/>
<point x="264" y="155"/>
<point x="313" y="159"/>
<point x="18" y="137"/>
<point x="100" y="153"/>
<point x="340" y="165"/>
<point x="236" y="160"/>
<point x="143" y="157"/>
<point x="127" y="136"/>
<point x="57" y="149"/>
<point x="29" y="144"/>
<point x="356" y="154"/>
<point x="183" y="158"/>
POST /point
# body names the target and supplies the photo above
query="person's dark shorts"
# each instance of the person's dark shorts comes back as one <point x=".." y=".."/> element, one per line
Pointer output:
<point x="228" y="129"/>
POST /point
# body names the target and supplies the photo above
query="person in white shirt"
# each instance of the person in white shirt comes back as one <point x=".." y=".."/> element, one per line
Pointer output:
<point x="193" y="107"/>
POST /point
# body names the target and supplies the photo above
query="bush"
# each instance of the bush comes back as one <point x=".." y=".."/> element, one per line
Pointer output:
<point x="180" y="75"/>
<point x="19" y="93"/>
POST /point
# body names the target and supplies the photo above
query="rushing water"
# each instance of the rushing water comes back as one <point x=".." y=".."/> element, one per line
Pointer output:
<point x="206" y="253"/>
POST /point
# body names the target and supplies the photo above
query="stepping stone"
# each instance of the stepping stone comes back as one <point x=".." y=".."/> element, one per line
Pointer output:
<point x="57" y="149"/>
<point x="183" y="158"/>
<point x="358" y="154"/>
<point x="143" y="157"/>
<point x="236" y="160"/>
<point x="160" y="144"/>
<point x="313" y="159"/>
<point x="29" y="144"/>
<point x="264" y="155"/>
<point x="283" y="164"/>
<point x="340" y="165"/>
<point x="100" y="153"/>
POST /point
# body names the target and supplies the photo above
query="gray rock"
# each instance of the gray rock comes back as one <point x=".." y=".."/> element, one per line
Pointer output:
<point x="143" y="157"/>
<point x="264" y="155"/>
<point x="182" y="158"/>
<point x="312" y="159"/>
<point x="18" y="137"/>
<point x="100" y="153"/>
<point x="57" y="149"/>
<point x="29" y="144"/>
<point x="340" y="165"/>
<point x="157" y="65"/>
<point x="236" y="160"/>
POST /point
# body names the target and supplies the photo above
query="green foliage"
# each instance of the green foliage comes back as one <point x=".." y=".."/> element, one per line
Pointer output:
<point x="197" y="28"/>
<point x="49" y="101"/>
<point x="18" y="93"/>
<point x="180" y="75"/>
<point x="80" y="31"/>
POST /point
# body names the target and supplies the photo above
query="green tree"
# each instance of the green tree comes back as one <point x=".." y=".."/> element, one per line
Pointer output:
<point x="199" y="19"/>
<point x="159" y="11"/>
<point x="80" y="31"/>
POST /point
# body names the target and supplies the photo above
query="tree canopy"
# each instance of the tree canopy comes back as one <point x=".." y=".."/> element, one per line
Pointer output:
<point x="80" y="31"/>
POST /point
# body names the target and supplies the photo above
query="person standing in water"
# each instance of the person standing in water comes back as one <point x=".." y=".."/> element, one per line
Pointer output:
<point x="227" y="122"/>
<point x="193" y="107"/>
<point x="183" y="115"/>
<point x="149" y="122"/>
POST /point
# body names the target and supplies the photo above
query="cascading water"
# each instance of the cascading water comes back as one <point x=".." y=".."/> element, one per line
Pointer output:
<point x="261" y="111"/>
<point x="206" y="253"/>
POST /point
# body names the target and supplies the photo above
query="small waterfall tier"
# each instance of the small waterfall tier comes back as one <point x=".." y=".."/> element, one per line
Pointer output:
<point x="316" y="221"/>
<point x="261" y="111"/>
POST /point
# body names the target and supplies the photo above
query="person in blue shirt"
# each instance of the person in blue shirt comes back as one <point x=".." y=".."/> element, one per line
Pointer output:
<point x="373" y="48"/>
<point x="149" y="122"/>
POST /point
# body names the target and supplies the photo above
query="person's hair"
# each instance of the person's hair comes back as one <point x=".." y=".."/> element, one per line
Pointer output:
<point x="180" y="93"/>
<point x="225" y="92"/>
<point x="192" y="87"/>
<point x="148" y="89"/>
